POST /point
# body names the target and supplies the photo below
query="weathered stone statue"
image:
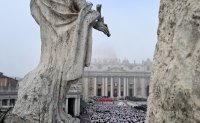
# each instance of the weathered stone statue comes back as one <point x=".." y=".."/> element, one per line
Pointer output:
<point x="66" y="30"/>
<point x="175" y="81"/>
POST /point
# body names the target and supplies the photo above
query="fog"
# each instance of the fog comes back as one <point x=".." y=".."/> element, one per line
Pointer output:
<point x="133" y="25"/>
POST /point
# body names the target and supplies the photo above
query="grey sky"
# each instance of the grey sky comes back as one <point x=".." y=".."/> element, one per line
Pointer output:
<point x="133" y="25"/>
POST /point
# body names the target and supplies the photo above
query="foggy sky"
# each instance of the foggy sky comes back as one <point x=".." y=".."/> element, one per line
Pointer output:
<point x="132" y="23"/>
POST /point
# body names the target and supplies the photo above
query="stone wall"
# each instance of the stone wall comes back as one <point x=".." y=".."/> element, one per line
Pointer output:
<point x="175" y="79"/>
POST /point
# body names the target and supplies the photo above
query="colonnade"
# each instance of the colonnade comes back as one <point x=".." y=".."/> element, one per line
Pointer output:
<point x="138" y="89"/>
<point x="75" y="106"/>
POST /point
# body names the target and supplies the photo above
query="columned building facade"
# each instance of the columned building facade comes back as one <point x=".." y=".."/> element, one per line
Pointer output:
<point x="116" y="79"/>
<point x="8" y="91"/>
<point x="73" y="100"/>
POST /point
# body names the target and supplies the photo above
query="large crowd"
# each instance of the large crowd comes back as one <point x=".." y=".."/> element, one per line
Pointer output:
<point x="115" y="114"/>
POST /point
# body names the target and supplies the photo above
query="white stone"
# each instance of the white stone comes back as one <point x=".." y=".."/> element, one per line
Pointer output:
<point x="66" y="30"/>
<point x="175" y="80"/>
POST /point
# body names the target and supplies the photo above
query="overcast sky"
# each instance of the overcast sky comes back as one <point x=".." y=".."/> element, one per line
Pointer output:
<point x="132" y="23"/>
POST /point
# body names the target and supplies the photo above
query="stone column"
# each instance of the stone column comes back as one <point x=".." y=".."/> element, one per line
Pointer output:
<point x="0" y="102"/>
<point x="119" y="88"/>
<point x="106" y="86"/>
<point x="124" y="87"/>
<point x="78" y="108"/>
<point x="127" y="87"/>
<point x="8" y="103"/>
<point x="143" y="83"/>
<point x="95" y="86"/>
<point x="102" y="87"/>
<point x="86" y="89"/>
<point x="66" y="107"/>
<point x="111" y="88"/>
<point x="135" y="86"/>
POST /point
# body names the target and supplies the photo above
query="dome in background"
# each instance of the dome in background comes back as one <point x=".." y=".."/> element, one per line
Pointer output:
<point x="104" y="53"/>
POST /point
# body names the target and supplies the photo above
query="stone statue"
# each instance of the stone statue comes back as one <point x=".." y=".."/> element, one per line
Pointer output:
<point x="175" y="79"/>
<point x="66" y="30"/>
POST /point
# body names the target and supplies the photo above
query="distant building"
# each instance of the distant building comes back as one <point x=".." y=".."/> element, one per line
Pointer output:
<point x="8" y="91"/>
<point x="115" y="78"/>
<point x="105" y="77"/>
<point x="111" y="78"/>
<point x="73" y="100"/>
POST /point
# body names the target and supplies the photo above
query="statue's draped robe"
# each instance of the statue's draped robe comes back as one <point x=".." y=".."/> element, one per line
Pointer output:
<point x="66" y="27"/>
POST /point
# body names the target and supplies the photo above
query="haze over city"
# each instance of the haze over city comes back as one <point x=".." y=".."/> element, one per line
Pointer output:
<point x="133" y="26"/>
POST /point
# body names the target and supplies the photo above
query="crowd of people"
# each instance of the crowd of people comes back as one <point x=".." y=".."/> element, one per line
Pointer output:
<point x="115" y="114"/>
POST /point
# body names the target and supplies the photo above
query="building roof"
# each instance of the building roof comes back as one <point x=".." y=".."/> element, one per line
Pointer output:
<point x="116" y="65"/>
<point x="3" y="76"/>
